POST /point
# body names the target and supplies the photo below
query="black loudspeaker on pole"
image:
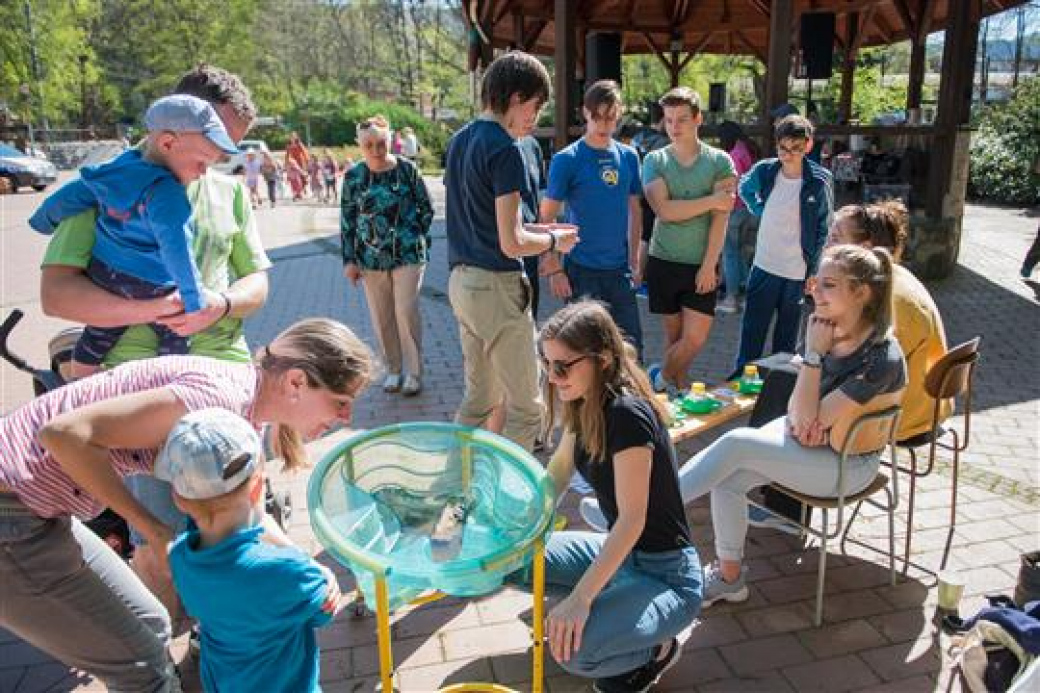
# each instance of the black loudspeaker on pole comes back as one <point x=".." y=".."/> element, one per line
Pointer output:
<point x="602" y="57"/>
<point x="816" y="36"/>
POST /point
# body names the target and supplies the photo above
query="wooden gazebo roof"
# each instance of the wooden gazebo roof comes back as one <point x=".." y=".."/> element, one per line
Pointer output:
<point x="708" y="26"/>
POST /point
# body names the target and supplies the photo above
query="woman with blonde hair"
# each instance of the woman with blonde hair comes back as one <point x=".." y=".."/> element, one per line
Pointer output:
<point x="63" y="456"/>
<point x="385" y="217"/>
<point x="633" y="589"/>
<point x="851" y="362"/>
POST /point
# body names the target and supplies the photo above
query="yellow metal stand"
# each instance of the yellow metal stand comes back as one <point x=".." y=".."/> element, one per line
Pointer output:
<point x="386" y="658"/>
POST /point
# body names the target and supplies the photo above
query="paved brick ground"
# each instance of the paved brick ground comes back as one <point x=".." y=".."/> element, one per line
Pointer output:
<point x="875" y="636"/>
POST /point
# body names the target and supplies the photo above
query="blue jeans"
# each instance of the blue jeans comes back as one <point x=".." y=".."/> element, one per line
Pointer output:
<point x="613" y="287"/>
<point x="769" y="295"/>
<point x="651" y="598"/>
<point x="734" y="266"/>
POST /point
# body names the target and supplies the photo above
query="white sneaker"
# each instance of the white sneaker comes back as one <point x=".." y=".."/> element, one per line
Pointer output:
<point x="727" y="305"/>
<point x="593" y="516"/>
<point x="412" y="386"/>
<point x="392" y="383"/>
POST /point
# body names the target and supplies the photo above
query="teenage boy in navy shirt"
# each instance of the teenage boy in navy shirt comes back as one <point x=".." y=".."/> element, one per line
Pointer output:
<point x="794" y="198"/>
<point x="597" y="178"/>
<point x="484" y="178"/>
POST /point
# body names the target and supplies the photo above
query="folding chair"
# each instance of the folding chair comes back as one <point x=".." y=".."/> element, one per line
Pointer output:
<point x="950" y="377"/>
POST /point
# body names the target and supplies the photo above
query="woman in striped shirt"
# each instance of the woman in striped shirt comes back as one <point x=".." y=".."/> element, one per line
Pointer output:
<point x="62" y="457"/>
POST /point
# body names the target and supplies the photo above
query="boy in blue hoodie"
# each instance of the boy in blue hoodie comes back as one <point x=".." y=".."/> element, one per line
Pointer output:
<point x="143" y="248"/>
<point x="257" y="603"/>
<point x="794" y="198"/>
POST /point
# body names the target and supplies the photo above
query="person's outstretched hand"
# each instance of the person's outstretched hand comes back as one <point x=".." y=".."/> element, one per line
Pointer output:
<point x="565" y="625"/>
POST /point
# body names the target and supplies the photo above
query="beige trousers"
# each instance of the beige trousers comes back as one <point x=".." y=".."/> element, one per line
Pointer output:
<point x="497" y="336"/>
<point x="393" y="303"/>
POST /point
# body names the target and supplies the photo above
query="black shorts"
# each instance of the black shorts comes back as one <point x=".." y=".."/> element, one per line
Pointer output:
<point x="673" y="286"/>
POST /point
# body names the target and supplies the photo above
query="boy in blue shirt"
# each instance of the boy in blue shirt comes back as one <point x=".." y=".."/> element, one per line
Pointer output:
<point x="794" y="198"/>
<point x="597" y="178"/>
<point x="257" y="604"/>
<point x="143" y="247"/>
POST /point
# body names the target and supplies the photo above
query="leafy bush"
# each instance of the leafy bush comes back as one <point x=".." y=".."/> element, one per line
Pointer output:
<point x="1005" y="151"/>
<point x="334" y="116"/>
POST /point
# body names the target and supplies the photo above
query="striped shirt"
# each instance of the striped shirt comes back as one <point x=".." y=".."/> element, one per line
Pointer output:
<point x="37" y="478"/>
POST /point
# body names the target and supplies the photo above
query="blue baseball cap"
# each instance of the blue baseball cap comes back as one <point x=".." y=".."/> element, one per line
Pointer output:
<point x="208" y="453"/>
<point x="183" y="113"/>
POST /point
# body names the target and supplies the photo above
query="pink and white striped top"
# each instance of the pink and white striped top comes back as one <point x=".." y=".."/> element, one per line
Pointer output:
<point x="37" y="478"/>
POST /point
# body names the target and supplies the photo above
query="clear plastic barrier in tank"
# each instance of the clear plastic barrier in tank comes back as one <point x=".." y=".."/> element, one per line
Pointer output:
<point x="431" y="506"/>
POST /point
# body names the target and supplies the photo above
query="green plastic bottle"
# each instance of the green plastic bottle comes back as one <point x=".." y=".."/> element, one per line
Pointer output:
<point x="750" y="383"/>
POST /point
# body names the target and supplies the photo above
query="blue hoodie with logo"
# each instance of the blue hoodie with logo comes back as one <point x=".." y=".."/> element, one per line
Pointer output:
<point x="144" y="223"/>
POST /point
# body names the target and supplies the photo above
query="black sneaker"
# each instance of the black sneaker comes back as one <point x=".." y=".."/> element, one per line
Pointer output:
<point x="642" y="679"/>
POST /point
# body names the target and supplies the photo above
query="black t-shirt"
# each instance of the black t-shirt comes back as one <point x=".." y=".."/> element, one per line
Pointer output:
<point x="631" y="422"/>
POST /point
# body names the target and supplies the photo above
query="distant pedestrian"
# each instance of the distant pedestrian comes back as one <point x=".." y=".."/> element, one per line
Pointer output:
<point x="272" y="174"/>
<point x="253" y="167"/>
<point x="328" y="173"/>
<point x="409" y="144"/>
<point x="297" y="178"/>
<point x="385" y="223"/>
<point x="1032" y="257"/>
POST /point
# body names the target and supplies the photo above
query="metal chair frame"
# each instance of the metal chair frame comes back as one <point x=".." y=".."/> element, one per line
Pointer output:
<point x="944" y="381"/>
<point x="882" y="481"/>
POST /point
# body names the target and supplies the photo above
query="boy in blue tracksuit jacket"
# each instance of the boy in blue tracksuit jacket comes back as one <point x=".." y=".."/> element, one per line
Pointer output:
<point x="143" y="247"/>
<point x="794" y="198"/>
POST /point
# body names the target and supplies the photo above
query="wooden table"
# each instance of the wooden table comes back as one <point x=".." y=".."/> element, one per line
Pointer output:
<point x="694" y="425"/>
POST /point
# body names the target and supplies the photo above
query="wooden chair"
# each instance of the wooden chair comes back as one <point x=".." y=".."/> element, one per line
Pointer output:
<point x="949" y="378"/>
<point x="878" y="425"/>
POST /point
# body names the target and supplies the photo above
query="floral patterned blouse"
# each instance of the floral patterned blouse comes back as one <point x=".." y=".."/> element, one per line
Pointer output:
<point x="385" y="217"/>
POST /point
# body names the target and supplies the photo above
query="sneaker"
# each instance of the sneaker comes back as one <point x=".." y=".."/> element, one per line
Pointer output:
<point x="412" y="386"/>
<point x="727" y="305"/>
<point x="757" y="517"/>
<point x="642" y="679"/>
<point x="659" y="382"/>
<point x="392" y="383"/>
<point x="592" y="515"/>
<point x="716" y="589"/>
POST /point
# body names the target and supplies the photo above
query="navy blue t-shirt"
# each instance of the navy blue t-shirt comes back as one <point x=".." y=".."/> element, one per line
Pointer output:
<point x="483" y="163"/>
<point x="596" y="185"/>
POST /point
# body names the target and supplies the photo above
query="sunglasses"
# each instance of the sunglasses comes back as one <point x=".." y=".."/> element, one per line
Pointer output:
<point x="562" y="368"/>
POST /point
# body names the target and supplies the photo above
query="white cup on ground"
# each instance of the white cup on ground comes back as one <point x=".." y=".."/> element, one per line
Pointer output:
<point x="951" y="589"/>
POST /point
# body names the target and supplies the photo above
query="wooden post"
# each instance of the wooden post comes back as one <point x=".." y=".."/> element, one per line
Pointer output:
<point x="564" y="59"/>
<point x="848" y="68"/>
<point x="955" y="86"/>
<point x="778" y="65"/>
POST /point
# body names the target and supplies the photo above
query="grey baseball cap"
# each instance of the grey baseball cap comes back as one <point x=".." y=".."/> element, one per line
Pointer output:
<point x="183" y="113"/>
<point x="208" y="453"/>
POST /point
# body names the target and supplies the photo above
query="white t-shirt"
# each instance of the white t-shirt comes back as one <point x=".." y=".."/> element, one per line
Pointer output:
<point x="252" y="169"/>
<point x="779" y="247"/>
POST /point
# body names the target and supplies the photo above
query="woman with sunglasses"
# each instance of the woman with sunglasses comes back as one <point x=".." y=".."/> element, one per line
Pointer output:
<point x="633" y="589"/>
<point x="385" y="217"/>
<point x="63" y="456"/>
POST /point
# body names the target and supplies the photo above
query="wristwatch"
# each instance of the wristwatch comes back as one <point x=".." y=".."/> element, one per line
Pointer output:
<point x="812" y="359"/>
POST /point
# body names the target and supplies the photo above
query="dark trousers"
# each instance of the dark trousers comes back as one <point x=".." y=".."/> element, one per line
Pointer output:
<point x="531" y="270"/>
<point x="769" y="295"/>
<point x="770" y="405"/>
<point x="96" y="342"/>
<point x="1032" y="256"/>
<point x="613" y="287"/>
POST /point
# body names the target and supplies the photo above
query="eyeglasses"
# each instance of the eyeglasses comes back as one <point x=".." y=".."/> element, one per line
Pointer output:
<point x="796" y="149"/>
<point x="562" y="368"/>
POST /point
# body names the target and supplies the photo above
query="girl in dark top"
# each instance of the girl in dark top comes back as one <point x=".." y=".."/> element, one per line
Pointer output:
<point x="632" y="590"/>
<point x="852" y="363"/>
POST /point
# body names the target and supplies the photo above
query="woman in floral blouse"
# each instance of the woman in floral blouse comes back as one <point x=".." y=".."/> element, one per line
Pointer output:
<point x="385" y="226"/>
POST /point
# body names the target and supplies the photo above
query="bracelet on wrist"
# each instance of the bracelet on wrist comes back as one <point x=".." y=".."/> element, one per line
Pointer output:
<point x="227" y="305"/>
<point x="552" y="243"/>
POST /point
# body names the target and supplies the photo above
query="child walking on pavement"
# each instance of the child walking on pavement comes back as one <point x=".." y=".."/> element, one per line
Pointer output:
<point x="257" y="603"/>
<point x="794" y="198"/>
<point x="143" y="248"/>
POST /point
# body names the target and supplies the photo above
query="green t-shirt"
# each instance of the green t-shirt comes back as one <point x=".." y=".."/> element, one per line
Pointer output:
<point x="685" y="241"/>
<point x="227" y="247"/>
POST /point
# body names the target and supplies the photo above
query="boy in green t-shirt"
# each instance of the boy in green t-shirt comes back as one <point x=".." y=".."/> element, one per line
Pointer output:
<point x="690" y="186"/>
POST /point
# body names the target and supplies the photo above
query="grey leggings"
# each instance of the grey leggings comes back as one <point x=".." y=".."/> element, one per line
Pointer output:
<point x="65" y="591"/>
<point x="746" y="458"/>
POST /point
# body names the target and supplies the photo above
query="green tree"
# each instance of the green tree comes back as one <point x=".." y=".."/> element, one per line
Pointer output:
<point x="1005" y="150"/>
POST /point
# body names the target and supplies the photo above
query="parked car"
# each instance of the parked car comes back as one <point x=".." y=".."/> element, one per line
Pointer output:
<point x="236" y="162"/>
<point x="23" y="170"/>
